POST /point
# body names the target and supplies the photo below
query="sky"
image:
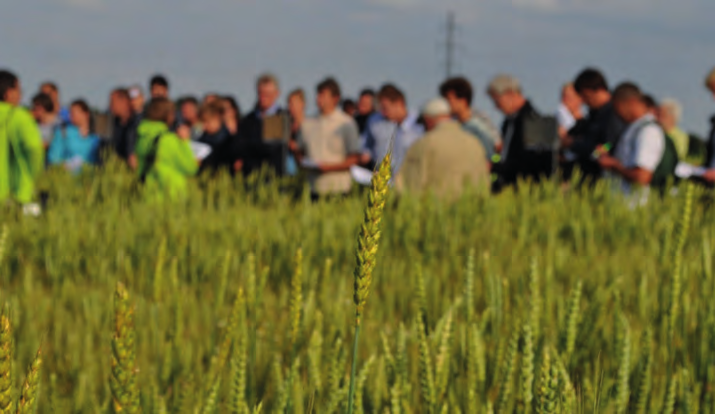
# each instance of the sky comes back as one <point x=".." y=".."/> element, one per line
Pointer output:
<point x="90" y="46"/>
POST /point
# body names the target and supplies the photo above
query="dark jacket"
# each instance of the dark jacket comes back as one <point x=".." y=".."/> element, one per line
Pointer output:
<point x="255" y="151"/>
<point x="361" y="121"/>
<point x="520" y="162"/>
<point x="602" y="126"/>
<point x="711" y="144"/>
<point x="220" y="157"/>
<point x="124" y="136"/>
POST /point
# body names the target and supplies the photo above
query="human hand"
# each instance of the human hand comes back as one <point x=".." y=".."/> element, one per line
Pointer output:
<point x="133" y="162"/>
<point x="607" y="162"/>
<point x="365" y="158"/>
<point x="238" y="165"/>
<point x="184" y="132"/>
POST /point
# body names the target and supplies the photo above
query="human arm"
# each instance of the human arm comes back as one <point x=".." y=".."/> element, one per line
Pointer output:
<point x="31" y="142"/>
<point x="636" y="175"/>
<point x="350" y="160"/>
<point x="56" y="150"/>
<point x="182" y="156"/>
<point x="351" y="141"/>
<point x="648" y="149"/>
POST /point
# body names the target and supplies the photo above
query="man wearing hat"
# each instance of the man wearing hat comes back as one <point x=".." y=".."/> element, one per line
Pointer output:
<point x="445" y="160"/>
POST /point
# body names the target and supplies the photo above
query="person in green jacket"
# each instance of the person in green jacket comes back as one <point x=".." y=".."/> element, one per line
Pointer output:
<point x="22" y="155"/>
<point x="166" y="161"/>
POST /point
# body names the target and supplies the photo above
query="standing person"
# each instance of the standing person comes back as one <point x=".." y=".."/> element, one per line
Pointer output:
<point x="395" y="123"/>
<point x="262" y="131"/>
<point x="516" y="159"/>
<point x="231" y="114"/>
<point x="569" y="113"/>
<point x="446" y="159"/>
<point x="124" y="126"/>
<point x="210" y="97"/>
<point x="349" y="107"/>
<point x="296" y="109"/>
<point x="642" y="146"/>
<point x="166" y="161"/>
<point x="459" y="94"/>
<point x="670" y="112"/>
<point x="365" y="108"/>
<point x="22" y="156"/>
<point x="51" y="89"/>
<point x="651" y="103"/>
<point x="189" y="116"/>
<point x="47" y="120"/>
<point x="570" y="109"/>
<point x="74" y="145"/>
<point x="159" y="87"/>
<point x="138" y="101"/>
<point x="267" y="105"/>
<point x="602" y="126"/>
<point x="709" y="176"/>
<point x="332" y="142"/>
<point x="216" y="135"/>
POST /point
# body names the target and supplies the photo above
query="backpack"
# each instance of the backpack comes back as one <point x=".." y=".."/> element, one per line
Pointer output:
<point x="665" y="170"/>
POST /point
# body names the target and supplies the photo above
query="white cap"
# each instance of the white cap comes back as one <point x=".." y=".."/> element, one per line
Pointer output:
<point x="436" y="107"/>
<point x="135" y="92"/>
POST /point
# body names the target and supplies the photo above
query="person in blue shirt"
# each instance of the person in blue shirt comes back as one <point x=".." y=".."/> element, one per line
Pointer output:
<point x="395" y="123"/>
<point x="74" y="145"/>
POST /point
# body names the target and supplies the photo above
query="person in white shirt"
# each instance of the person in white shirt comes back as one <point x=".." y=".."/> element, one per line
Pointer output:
<point x="641" y="147"/>
<point x="570" y="109"/>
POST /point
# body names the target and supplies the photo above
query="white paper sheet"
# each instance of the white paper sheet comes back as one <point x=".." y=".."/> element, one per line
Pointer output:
<point x="362" y="176"/>
<point x="684" y="170"/>
<point x="309" y="164"/>
<point x="200" y="150"/>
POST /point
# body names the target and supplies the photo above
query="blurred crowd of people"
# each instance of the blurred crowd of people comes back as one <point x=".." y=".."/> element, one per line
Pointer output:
<point x="620" y="133"/>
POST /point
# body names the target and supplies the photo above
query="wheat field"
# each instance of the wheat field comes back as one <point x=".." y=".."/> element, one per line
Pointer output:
<point x="244" y="301"/>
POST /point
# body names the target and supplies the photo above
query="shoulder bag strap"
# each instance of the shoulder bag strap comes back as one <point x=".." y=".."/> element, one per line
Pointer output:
<point x="151" y="158"/>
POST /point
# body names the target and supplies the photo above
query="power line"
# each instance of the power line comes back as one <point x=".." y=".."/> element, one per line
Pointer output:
<point x="450" y="45"/>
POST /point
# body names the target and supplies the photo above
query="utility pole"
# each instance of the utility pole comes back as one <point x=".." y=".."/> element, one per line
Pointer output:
<point x="449" y="50"/>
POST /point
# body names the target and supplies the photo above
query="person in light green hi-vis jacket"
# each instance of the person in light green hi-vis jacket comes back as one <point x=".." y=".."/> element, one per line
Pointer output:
<point x="166" y="161"/>
<point x="22" y="155"/>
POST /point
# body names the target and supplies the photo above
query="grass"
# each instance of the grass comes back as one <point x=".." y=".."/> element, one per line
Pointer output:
<point x="531" y="302"/>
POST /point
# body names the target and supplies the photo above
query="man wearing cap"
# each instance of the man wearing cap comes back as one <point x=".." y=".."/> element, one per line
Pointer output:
<point x="445" y="160"/>
<point x="136" y="95"/>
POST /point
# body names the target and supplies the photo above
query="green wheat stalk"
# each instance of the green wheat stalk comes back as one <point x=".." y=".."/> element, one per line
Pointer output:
<point x="6" y="380"/>
<point x="670" y="395"/>
<point x="645" y="381"/>
<point x="676" y="282"/>
<point x="624" y="365"/>
<point x="469" y="287"/>
<point x="569" y="331"/>
<point x="296" y="298"/>
<point x="426" y="375"/>
<point x="124" y="372"/>
<point x="507" y="372"/>
<point x="4" y="235"/>
<point x="28" y="397"/>
<point x="548" y="389"/>
<point x="366" y="254"/>
<point x="527" y="369"/>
